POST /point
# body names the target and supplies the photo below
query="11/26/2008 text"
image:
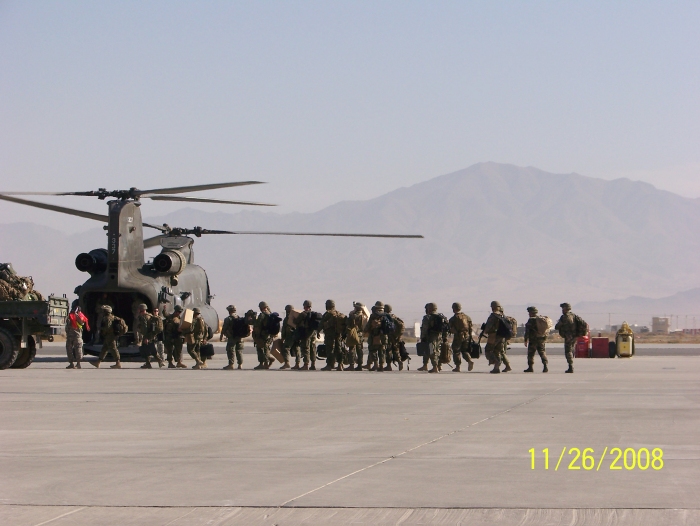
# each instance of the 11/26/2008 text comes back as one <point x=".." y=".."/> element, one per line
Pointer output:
<point x="629" y="459"/>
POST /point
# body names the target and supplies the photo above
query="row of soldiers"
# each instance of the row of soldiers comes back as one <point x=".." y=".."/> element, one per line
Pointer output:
<point x="295" y="337"/>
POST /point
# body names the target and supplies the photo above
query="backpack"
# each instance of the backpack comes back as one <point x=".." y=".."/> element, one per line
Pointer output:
<point x="240" y="328"/>
<point x="581" y="327"/>
<point x="314" y="320"/>
<point x="440" y="323"/>
<point x="119" y="327"/>
<point x="341" y="323"/>
<point x="461" y="323"/>
<point x="543" y="325"/>
<point x="274" y="324"/>
<point x="507" y="327"/>
<point x="387" y="325"/>
<point x="399" y="327"/>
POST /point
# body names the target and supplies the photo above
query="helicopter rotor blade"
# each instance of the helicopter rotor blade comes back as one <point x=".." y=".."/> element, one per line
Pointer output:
<point x="157" y="227"/>
<point x="54" y="208"/>
<point x="202" y="200"/>
<point x="197" y="188"/>
<point x="323" y="234"/>
<point x="152" y="241"/>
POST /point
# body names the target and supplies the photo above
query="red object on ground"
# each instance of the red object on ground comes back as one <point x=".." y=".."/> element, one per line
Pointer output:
<point x="582" y="347"/>
<point x="599" y="347"/>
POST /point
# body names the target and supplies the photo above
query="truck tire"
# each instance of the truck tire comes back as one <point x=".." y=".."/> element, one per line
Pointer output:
<point x="9" y="348"/>
<point x="25" y="356"/>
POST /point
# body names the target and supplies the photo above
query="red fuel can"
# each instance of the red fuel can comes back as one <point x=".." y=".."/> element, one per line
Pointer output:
<point x="600" y="347"/>
<point x="582" y="347"/>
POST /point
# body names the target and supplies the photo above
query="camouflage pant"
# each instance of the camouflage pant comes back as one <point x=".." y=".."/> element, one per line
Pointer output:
<point x="307" y="347"/>
<point x="499" y="352"/>
<point x="569" y="347"/>
<point x="74" y="348"/>
<point x="173" y="349"/>
<point x="263" y="348"/>
<point x="536" y="345"/>
<point x="193" y="350"/>
<point x="160" y="355"/>
<point x="334" y="351"/>
<point x="392" y="351"/>
<point x="110" y="346"/>
<point x="290" y="349"/>
<point x="355" y="353"/>
<point x="434" y="355"/>
<point x="234" y="348"/>
<point x="377" y="353"/>
<point x="461" y="349"/>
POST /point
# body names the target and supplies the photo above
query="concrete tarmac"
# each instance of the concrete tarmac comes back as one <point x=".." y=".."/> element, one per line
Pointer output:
<point x="183" y="447"/>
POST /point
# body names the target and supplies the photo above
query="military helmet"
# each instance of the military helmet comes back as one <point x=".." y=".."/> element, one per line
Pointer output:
<point x="196" y="310"/>
<point x="532" y="310"/>
<point x="178" y="308"/>
<point x="565" y="306"/>
<point x="107" y="308"/>
<point x="289" y="308"/>
<point x="456" y="306"/>
<point x="307" y="303"/>
<point x="495" y="305"/>
<point x="231" y="308"/>
<point x="143" y="306"/>
<point x="387" y="308"/>
<point x="358" y="304"/>
<point x="379" y="304"/>
<point x="330" y="304"/>
<point x="431" y="307"/>
<point x="262" y="305"/>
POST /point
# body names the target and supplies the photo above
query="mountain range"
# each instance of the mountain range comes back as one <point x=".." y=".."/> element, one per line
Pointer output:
<point x="492" y="231"/>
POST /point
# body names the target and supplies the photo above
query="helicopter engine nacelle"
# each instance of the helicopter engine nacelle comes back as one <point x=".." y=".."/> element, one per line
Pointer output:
<point x="94" y="262"/>
<point x="171" y="262"/>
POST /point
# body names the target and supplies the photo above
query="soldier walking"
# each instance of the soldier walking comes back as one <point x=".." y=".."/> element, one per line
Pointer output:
<point x="99" y="310"/>
<point x="74" y="336"/>
<point x="234" y="345"/>
<point x="111" y="329"/>
<point x="570" y="326"/>
<point x="262" y="338"/>
<point x="199" y="332"/>
<point x="355" y="337"/>
<point x="172" y="339"/>
<point x="496" y="341"/>
<point x="306" y="336"/>
<point x="290" y="344"/>
<point x="432" y="333"/>
<point x="149" y="326"/>
<point x="376" y="339"/>
<point x="394" y="339"/>
<point x="331" y="336"/>
<point x="535" y="340"/>
<point x="461" y="328"/>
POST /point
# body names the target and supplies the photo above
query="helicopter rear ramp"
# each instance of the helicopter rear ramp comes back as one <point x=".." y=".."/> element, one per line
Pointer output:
<point x="185" y="447"/>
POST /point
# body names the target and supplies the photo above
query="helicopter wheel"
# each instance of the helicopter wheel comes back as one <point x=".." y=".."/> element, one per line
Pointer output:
<point x="25" y="356"/>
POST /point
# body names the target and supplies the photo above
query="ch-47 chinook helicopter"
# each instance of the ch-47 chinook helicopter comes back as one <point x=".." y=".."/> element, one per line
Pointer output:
<point x="119" y="274"/>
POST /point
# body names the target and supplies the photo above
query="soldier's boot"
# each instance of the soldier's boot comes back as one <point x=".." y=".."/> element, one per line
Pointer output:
<point x="229" y="367"/>
<point x="161" y="364"/>
<point x="118" y="365"/>
<point x="529" y="369"/>
<point x="147" y="365"/>
<point x="340" y="367"/>
<point x="77" y="365"/>
<point x="313" y="366"/>
<point x="96" y="364"/>
<point x="351" y="367"/>
<point x="544" y="369"/>
<point x="261" y="365"/>
<point x="171" y="365"/>
<point x="424" y="368"/>
<point x="305" y="367"/>
<point x="400" y="365"/>
<point x="434" y="369"/>
<point x="507" y="369"/>
<point x="181" y="365"/>
<point x="70" y="366"/>
<point x="457" y="369"/>
<point x="471" y="366"/>
<point x="381" y="368"/>
<point x="240" y="366"/>
<point x="374" y="366"/>
<point x="570" y="369"/>
<point x="496" y="370"/>
<point x="388" y="367"/>
<point x="296" y="366"/>
<point x="328" y="367"/>
<point x="198" y="365"/>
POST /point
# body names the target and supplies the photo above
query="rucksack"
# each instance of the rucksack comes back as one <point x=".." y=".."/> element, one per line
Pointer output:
<point x="119" y="327"/>
<point x="314" y="320"/>
<point x="274" y="324"/>
<point x="387" y="325"/>
<point x="507" y="327"/>
<point x="399" y="327"/>
<point x="581" y="327"/>
<point x="461" y="322"/>
<point x="543" y="325"/>
<point x="240" y="328"/>
<point x="341" y="323"/>
<point x="440" y="323"/>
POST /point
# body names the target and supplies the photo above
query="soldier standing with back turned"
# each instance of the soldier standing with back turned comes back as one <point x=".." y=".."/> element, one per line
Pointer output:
<point x="331" y="337"/>
<point x="306" y="337"/>
<point x="496" y="341"/>
<point x="262" y="338"/>
<point x="393" y="339"/>
<point x="568" y="328"/>
<point x="290" y="344"/>
<point x="461" y="327"/>
<point x="172" y="339"/>
<point x="534" y="341"/>
<point x="234" y="345"/>
<point x="432" y="333"/>
<point x="355" y="339"/>
<point x="199" y="337"/>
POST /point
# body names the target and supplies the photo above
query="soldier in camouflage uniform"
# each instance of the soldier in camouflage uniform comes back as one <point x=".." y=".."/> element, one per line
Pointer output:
<point x="331" y="337"/>
<point x="567" y="330"/>
<point x="355" y="339"/>
<point x="495" y="341"/>
<point x="199" y="331"/>
<point x="149" y="327"/>
<point x="261" y="338"/>
<point x="376" y="340"/>
<point x="461" y="328"/>
<point x="432" y="334"/>
<point x="290" y="344"/>
<point x="74" y="337"/>
<point x="234" y="345"/>
<point x="306" y="338"/>
<point x="393" y="339"/>
<point x="110" y="339"/>
<point x="172" y="339"/>
<point x="99" y="310"/>
<point x="534" y="342"/>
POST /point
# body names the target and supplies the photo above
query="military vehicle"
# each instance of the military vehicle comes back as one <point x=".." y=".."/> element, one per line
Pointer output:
<point x="119" y="274"/>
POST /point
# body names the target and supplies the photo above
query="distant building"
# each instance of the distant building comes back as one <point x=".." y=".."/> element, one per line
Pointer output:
<point x="660" y="325"/>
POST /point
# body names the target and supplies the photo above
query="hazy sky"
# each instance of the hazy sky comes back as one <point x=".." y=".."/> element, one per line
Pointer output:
<point x="341" y="100"/>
